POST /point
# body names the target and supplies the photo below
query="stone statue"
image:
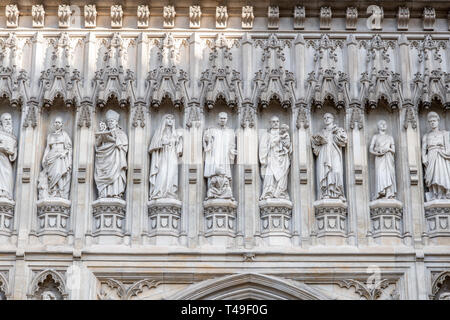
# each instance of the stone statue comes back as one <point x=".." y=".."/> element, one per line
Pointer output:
<point x="383" y="147"/>
<point x="219" y="148"/>
<point x="436" y="159"/>
<point x="327" y="146"/>
<point x="8" y="154"/>
<point x="275" y="149"/>
<point x="111" y="147"/>
<point x="165" y="149"/>
<point x="54" y="179"/>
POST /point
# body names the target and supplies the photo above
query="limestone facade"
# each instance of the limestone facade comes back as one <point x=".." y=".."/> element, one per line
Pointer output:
<point x="365" y="229"/>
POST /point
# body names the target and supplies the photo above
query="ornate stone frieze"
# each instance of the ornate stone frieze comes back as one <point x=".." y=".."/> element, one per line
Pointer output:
<point x="379" y="81"/>
<point x="219" y="81"/>
<point x="167" y="80"/>
<point x="53" y="216"/>
<point x="247" y="17"/>
<point x="169" y="16"/>
<point x="299" y="17"/>
<point x="272" y="81"/>
<point x="331" y="217"/>
<point x="143" y="14"/>
<point x="38" y="15"/>
<point x="325" y="18"/>
<point x="273" y="17"/>
<point x="90" y="16"/>
<point x="111" y="80"/>
<point x="195" y="16"/>
<point x="375" y="20"/>
<point x="429" y="18"/>
<point x="111" y="289"/>
<point x="116" y="16"/>
<point x="12" y="16"/>
<point x="164" y="217"/>
<point x="64" y="15"/>
<point x="109" y="216"/>
<point x="351" y="18"/>
<point x="402" y="18"/>
<point x="221" y="17"/>
<point x="49" y="284"/>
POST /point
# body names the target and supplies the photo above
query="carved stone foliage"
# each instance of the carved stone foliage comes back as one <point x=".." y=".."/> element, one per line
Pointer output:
<point x="325" y="83"/>
<point x="369" y="291"/>
<point x="299" y="17"/>
<point x="247" y="17"/>
<point x="440" y="287"/>
<point x="374" y="22"/>
<point x="60" y="79"/>
<point x="273" y="17"/>
<point x="195" y="15"/>
<point x="272" y="81"/>
<point x="111" y="289"/>
<point x="12" y="16"/>
<point x="379" y="81"/>
<point x="219" y="81"/>
<point x="168" y="81"/>
<point x="402" y="18"/>
<point x="90" y="16"/>
<point x="64" y="14"/>
<point x="13" y="82"/>
<point x="429" y="18"/>
<point x="116" y="16"/>
<point x="351" y="18"/>
<point x="431" y="83"/>
<point x="221" y="17"/>
<point x="143" y="14"/>
<point x="37" y="15"/>
<point x="169" y="16"/>
<point x="48" y="284"/>
<point x="247" y="115"/>
<point x="111" y="80"/>
<point x="325" y="18"/>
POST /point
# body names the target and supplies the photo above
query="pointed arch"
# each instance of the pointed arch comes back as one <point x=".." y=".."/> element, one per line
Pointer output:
<point x="42" y="276"/>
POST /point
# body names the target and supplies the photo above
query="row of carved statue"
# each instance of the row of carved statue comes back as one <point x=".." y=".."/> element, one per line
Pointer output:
<point x="275" y="149"/>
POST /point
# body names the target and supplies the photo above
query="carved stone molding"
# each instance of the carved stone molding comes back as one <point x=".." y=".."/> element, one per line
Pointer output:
<point x="273" y="17"/>
<point x="429" y="18"/>
<point x="221" y="17"/>
<point x="331" y="217"/>
<point x="437" y="215"/>
<point x="325" y="18"/>
<point x="351" y="18"/>
<point x="12" y="16"/>
<point x="53" y="216"/>
<point x="386" y="217"/>
<point x="49" y="284"/>
<point x="37" y="15"/>
<point x="109" y="216"/>
<point x="276" y="219"/>
<point x="164" y="217"/>
<point x="440" y="285"/>
<point x="111" y="289"/>
<point x="116" y="16"/>
<point x="299" y="17"/>
<point x="195" y="16"/>
<point x="169" y="16"/>
<point x="402" y="18"/>
<point x="64" y="15"/>
<point x="143" y="14"/>
<point x="6" y="216"/>
<point x="90" y="16"/>
<point x="247" y="17"/>
<point x="220" y="217"/>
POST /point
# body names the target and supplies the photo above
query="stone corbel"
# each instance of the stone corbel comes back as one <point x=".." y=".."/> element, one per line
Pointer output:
<point x="12" y="16"/>
<point x="299" y="17"/>
<point x="247" y="17"/>
<point x="402" y="18"/>
<point x="116" y="16"/>
<point x="195" y="15"/>
<point x="143" y="14"/>
<point x="273" y="15"/>
<point x="169" y="16"/>
<point x="429" y="18"/>
<point x="38" y="15"/>
<point x="351" y="18"/>
<point x="221" y="17"/>
<point x="325" y="18"/>
<point x="90" y="16"/>
<point x="64" y="15"/>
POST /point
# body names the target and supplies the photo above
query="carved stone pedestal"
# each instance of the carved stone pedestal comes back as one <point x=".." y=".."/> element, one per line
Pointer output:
<point x="331" y="217"/>
<point x="220" y="220"/>
<point x="109" y="217"/>
<point x="6" y="216"/>
<point x="164" y="220"/>
<point x="386" y="218"/>
<point x="437" y="214"/>
<point x="53" y="216"/>
<point x="276" y="216"/>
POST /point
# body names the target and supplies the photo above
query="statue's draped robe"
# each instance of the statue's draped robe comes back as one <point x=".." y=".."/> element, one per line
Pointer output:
<point x="274" y="165"/>
<point x="57" y="164"/>
<point x="111" y="164"/>
<point x="219" y="147"/>
<point x="437" y="172"/>
<point x="330" y="167"/>
<point x="384" y="167"/>
<point x="164" y="164"/>
<point x="9" y="143"/>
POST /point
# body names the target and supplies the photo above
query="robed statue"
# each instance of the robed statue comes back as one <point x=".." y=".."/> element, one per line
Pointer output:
<point x="8" y="154"/>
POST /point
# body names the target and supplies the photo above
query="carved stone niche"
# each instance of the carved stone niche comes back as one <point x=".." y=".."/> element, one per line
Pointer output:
<point x="164" y="217"/>
<point x="331" y="217"/>
<point x="386" y="217"/>
<point x="276" y="221"/>
<point x="48" y="285"/>
<point x="437" y="215"/>
<point x="53" y="216"/>
<point x="220" y="220"/>
<point x="109" y="216"/>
